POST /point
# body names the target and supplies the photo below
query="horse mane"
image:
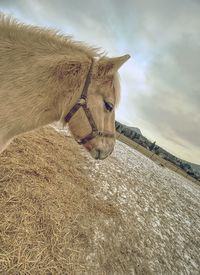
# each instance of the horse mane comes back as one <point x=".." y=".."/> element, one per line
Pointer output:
<point x="48" y="40"/>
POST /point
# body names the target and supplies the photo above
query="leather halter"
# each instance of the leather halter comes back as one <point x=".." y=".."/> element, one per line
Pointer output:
<point x="82" y="103"/>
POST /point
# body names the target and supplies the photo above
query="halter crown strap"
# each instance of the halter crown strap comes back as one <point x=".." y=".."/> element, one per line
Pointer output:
<point x="82" y="100"/>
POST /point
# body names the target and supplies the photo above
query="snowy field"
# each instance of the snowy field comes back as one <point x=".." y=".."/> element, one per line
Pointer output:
<point x="163" y="207"/>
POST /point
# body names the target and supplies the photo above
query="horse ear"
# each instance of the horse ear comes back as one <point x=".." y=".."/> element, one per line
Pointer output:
<point x="111" y="65"/>
<point x="118" y="61"/>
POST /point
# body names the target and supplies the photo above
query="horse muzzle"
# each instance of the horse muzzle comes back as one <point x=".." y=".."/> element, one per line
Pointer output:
<point x="99" y="151"/>
<point x="100" y="154"/>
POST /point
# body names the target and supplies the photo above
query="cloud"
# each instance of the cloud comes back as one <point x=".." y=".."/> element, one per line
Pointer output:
<point x="172" y="107"/>
<point x="174" y="80"/>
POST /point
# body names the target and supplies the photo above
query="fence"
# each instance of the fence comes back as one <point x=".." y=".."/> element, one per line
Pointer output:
<point x="154" y="157"/>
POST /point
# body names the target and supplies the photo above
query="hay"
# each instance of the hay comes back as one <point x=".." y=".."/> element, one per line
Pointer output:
<point x="49" y="215"/>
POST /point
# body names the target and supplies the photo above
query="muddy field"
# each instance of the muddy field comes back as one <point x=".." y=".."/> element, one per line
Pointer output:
<point x="63" y="213"/>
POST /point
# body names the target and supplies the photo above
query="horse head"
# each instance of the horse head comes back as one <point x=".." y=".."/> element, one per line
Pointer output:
<point x="92" y="119"/>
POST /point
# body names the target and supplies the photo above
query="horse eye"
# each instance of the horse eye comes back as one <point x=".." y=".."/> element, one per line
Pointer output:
<point x="108" y="106"/>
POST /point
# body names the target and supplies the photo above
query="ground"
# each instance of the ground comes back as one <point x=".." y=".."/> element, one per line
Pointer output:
<point x="65" y="213"/>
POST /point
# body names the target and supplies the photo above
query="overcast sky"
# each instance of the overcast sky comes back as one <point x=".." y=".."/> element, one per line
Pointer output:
<point x="161" y="82"/>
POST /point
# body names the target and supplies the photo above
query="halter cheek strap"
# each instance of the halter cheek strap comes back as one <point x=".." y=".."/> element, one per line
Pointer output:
<point x="82" y="103"/>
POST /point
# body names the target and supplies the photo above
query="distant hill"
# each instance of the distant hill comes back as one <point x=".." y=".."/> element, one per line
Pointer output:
<point x="126" y="129"/>
<point x="136" y="135"/>
<point x="194" y="166"/>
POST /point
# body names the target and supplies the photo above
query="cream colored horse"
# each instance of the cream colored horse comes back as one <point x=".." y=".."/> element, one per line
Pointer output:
<point x="42" y="77"/>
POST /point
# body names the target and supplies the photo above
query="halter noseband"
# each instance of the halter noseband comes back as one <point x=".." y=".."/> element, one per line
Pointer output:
<point x="82" y="102"/>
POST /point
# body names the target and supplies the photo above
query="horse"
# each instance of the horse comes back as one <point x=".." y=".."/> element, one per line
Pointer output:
<point x="46" y="76"/>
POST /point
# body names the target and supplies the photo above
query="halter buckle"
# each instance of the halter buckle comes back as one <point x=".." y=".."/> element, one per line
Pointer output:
<point x="82" y="101"/>
<point x="78" y="141"/>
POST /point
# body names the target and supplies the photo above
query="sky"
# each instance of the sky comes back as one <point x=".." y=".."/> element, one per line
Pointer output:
<point x="160" y="84"/>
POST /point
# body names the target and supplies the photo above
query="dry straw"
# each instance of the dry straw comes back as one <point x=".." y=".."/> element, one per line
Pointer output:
<point x="49" y="215"/>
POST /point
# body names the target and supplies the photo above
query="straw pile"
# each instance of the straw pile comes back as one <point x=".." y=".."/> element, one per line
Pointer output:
<point x="49" y="216"/>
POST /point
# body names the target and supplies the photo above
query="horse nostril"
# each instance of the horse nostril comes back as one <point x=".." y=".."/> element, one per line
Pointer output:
<point x="98" y="153"/>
